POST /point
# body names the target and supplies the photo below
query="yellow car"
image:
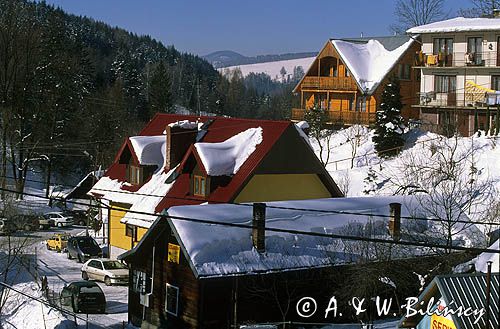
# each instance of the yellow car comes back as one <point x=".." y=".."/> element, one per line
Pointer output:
<point x="58" y="242"/>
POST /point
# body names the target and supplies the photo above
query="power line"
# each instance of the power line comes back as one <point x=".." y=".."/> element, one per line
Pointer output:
<point x="339" y="212"/>
<point x="280" y="230"/>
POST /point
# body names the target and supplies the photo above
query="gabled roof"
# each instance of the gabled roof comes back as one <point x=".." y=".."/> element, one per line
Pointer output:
<point x="216" y="250"/>
<point x="467" y="290"/>
<point x="370" y="60"/>
<point x="218" y="130"/>
<point x="458" y="24"/>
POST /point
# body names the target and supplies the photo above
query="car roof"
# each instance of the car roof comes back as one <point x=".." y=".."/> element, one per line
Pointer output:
<point x="84" y="284"/>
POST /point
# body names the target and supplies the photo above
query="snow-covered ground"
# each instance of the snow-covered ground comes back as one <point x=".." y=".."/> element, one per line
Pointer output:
<point x="273" y="68"/>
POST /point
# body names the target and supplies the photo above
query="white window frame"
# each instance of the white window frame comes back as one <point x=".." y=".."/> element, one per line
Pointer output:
<point x="176" y="299"/>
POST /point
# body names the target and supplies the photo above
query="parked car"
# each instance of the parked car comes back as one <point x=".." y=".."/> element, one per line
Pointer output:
<point x="58" y="242"/>
<point x="6" y="226"/>
<point x="60" y="219"/>
<point x="80" y="217"/>
<point x="83" y="248"/>
<point x="105" y="270"/>
<point x="83" y="297"/>
<point x="26" y="222"/>
<point x="45" y="222"/>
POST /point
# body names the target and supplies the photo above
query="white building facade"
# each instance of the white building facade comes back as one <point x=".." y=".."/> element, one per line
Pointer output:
<point x="459" y="66"/>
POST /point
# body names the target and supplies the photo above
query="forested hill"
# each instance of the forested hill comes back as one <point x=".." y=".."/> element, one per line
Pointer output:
<point x="72" y="88"/>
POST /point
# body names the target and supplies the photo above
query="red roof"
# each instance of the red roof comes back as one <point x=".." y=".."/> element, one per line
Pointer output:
<point x="218" y="131"/>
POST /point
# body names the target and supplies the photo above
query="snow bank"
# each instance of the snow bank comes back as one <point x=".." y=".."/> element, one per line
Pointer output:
<point x="226" y="158"/>
<point x="458" y="24"/>
<point x="150" y="150"/>
<point x="23" y="312"/>
<point x="369" y="62"/>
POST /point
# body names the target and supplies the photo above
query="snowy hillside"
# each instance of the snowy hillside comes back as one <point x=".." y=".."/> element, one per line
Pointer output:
<point x="273" y="68"/>
<point x="352" y="158"/>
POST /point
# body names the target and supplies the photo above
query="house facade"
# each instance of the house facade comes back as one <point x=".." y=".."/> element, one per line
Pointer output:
<point x="186" y="160"/>
<point x="348" y="76"/>
<point x="460" y="75"/>
<point x="192" y="271"/>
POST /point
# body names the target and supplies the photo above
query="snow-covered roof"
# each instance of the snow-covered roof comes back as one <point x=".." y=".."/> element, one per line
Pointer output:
<point x="458" y="24"/>
<point x="216" y="250"/>
<point x="150" y="150"/>
<point x="481" y="262"/>
<point x="185" y="124"/>
<point x="226" y="158"/>
<point x="369" y="62"/>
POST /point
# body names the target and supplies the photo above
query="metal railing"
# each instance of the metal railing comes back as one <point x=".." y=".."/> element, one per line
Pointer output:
<point x="458" y="59"/>
<point x="343" y="117"/>
<point x="329" y="83"/>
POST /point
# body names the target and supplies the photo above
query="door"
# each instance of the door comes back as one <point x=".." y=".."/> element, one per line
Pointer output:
<point x="475" y="47"/>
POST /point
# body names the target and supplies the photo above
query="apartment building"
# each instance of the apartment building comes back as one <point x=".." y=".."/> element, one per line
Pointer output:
<point x="460" y="75"/>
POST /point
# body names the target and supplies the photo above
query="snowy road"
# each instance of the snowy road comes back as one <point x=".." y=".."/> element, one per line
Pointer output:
<point x="60" y="271"/>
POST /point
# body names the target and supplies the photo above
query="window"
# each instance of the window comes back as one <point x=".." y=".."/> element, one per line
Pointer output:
<point x="495" y="82"/>
<point x="445" y="83"/>
<point x="134" y="175"/>
<point x="443" y="45"/>
<point x="172" y="300"/>
<point x="140" y="282"/>
<point x="199" y="185"/>
<point x="347" y="73"/>
<point x="475" y="49"/>
<point x="131" y="231"/>
<point x="404" y="71"/>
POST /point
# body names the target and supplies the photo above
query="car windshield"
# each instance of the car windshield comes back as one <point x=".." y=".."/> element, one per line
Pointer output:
<point x="113" y="265"/>
<point x="87" y="242"/>
<point x="91" y="290"/>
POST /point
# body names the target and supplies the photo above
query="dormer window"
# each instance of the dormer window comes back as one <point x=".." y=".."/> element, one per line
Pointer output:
<point x="134" y="174"/>
<point x="199" y="185"/>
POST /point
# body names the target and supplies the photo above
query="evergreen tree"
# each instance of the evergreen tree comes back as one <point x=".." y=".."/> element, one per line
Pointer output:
<point x="370" y="181"/>
<point x="160" y="97"/>
<point x="389" y="126"/>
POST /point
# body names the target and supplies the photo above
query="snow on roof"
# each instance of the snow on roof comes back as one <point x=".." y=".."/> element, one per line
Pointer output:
<point x="302" y="124"/>
<point x="369" y="62"/>
<point x="216" y="250"/>
<point x="150" y="150"/>
<point x="481" y="262"/>
<point x="146" y="199"/>
<point x="458" y="24"/>
<point x="226" y="158"/>
<point x="185" y="124"/>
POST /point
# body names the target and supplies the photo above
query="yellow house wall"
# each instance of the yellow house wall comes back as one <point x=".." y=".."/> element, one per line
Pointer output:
<point x="117" y="233"/>
<point x="283" y="187"/>
<point x="117" y="237"/>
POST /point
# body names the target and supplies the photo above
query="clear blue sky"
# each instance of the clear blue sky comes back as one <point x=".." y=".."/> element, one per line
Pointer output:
<point x="250" y="27"/>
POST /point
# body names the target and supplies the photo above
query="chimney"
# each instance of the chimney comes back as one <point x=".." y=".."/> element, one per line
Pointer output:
<point x="259" y="227"/>
<point x="178" y="141"/>
<point x="395" y="220"/>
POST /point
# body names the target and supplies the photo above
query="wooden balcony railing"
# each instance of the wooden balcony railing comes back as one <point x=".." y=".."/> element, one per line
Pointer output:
<point x="342" y="117"/>
<point x="329" y="83"/>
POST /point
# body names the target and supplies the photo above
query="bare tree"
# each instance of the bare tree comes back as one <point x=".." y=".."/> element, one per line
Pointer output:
<point x="320" y="131"/>
<point x="412" y="13"/>
<point x="354" y="135"/>
<point x="480" y="8"/>
<point x="447" y="184"/>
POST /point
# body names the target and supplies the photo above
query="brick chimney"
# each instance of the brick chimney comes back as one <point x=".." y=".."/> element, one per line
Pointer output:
<point x="178" y="141"/>
<point x="395" y="220"/>
<point x="259" y="227"/>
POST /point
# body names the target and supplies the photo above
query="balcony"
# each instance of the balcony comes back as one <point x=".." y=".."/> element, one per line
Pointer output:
<point x="329" y="83"/>
<point x="459" y="59"/>
<point x="467" y="99"/>
<point x="342" y="117"/>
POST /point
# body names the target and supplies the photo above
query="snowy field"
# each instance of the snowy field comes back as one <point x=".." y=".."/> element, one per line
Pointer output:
<point x="273" y="68"/>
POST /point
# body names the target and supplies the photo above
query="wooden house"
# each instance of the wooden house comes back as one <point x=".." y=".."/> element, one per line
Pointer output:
<point x="226" y="265"/>
<point x="183" y="160"/>
<point x="348" y="76"/>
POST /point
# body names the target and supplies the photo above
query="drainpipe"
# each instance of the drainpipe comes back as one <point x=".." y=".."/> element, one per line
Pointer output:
<point x="488" y="295"/>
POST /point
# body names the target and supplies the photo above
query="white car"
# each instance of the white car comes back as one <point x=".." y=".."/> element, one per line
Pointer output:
<point x="60" y="219"/>
<point x="108" y="271"/>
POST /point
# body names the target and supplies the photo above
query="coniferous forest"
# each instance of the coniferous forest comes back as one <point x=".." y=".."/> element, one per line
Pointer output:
<point x="71" y="88"/>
